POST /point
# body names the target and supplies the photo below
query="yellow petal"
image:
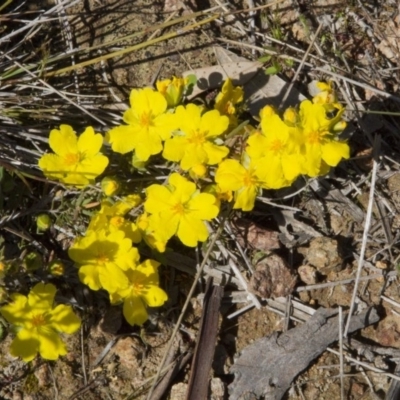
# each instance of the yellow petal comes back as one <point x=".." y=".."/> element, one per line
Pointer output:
<point x="245" y="198"/>
<point x="213" y="123"/>
<point x="188" y="118"/>
<point x="154" y="296"/>
<point x="147" y="100"/>
<point x="51" y="346"/>
<point x="63" y="141"/>
<point x="230" y="175"/>
<point x="42" y="296"/>
<point x="89" y="275"/>
<point x="112" y="278"/>
<point x="174" y="149"/>
<point x="122" y="139"/>
<point x="215" y="153"/>
<point x="92" y="167"/>
<point x="16" y="312"/>
<point x="158" y="199"/>
<point x="134" y="311"/>
<point x="89" y="143"/>
<point x="25" y="345"/>
<point x="52" y="165"/>
<point x="203" y="206"/>
<point x="191" y="231"/>
<point x="334" y="151"/>
<point x="147" y="144"/>
<point x="63" y="319"/>
<point x="184" y="189"/>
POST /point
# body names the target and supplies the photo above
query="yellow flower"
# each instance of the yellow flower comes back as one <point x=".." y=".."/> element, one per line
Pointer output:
<point x="197" y="143"/>
<point x="103" y="258"/>
<point x="227" y="100"/>
<point x="276" y="152"/>
<point x="148" y="125"/>
<point x="77" y="161"/>
<point x="149" y="227"/>
<point x="111" y="217"/>
<point x="141" y="292"/>
<point x="110" y="186"/>
<point x="320" y="143"/>
<point x="181" y="209"/>
<point x="241" y="179"/>
<point x="172" y="90"/>
<point x="39" y="324"/>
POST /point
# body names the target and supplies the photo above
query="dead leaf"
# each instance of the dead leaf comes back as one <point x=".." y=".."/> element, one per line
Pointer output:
<point x="213" y="77"/>
<point x="259" y="88"/>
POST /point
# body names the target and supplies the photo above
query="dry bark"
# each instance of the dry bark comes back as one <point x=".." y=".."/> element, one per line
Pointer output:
<point x="269" y="365"/>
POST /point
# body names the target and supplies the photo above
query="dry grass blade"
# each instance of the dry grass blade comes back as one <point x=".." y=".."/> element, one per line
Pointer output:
<point x="365" y="234"/>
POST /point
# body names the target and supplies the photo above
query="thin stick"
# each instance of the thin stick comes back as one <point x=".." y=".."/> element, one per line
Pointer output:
<point x="85" y="381"/>
<point x="341" y="353"/>
<point x="239" y="276"/>
<point x="364" y="242"/>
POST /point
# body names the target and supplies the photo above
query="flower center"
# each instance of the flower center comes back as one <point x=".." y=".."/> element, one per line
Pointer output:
<point x="276" y="146"/>
<point x="229" y="108"/>
<point x="102" y="258"/>
<point x="146" y="119"/>
<point x="315" y="137"/>
<point x="72" y="159"/>
<point x="138" y="287"/>
<point x="38" y="320"/>
<point x="249" y="179"/>
<point x="179" y="208"/>
<point x="197" y="137"/>
<point x="117" y="221"/>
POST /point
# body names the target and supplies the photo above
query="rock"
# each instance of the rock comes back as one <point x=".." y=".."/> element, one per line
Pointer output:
<point x="272" y="278"/>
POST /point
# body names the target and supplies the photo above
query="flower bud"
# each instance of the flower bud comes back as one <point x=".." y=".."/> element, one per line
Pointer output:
<point x="110" y="186"/>
<point x="290" y="116"/>
<point x="172" y="90"/>
<point x="57" y="268"/>
<point x="340" y="126"/>
<point x="267" y="111"/>
<point x="198" y="171"/>
<point x="43" y="222"/>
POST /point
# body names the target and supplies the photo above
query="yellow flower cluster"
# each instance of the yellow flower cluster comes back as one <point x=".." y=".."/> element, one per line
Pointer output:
<point x="108" y="260"/>
<point x="303" y="142"/>
<point x="194" y="143"/>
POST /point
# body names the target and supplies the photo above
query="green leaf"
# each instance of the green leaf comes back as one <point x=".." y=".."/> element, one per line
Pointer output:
<point x="265" y="58"/>
<point x="273" y="70"/>
<point x="289" y="62"/>
<point x="191" y="82"/>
